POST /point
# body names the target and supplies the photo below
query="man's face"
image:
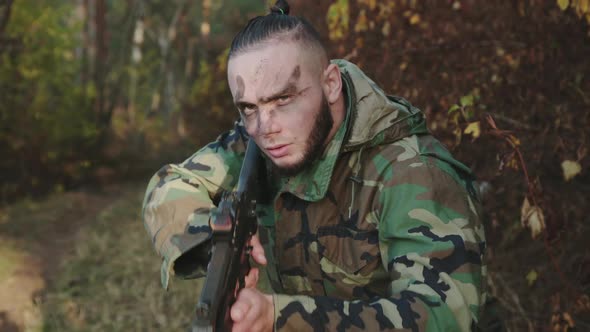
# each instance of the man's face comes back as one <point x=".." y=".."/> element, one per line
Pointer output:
<point x="277" y="89"/>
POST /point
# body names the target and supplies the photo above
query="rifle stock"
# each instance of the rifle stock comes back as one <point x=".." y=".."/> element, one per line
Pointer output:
<point x="233" y="226"/>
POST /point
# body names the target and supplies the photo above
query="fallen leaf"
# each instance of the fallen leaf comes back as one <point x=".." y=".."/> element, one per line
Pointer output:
<point x="474" y="129"/>
<point x="514" y="141"/>
<point x="532" y="217"/>
<point x="453" y="108"/>
<point x="563" y="4"/>
<point x="467" y="100"/>
<point x="386" y="29"/>
<point x="568" y="318"/>
<point x="570" y="169"/>
<point x="415" y="19"/>
<point x="531" y="277"/>
<point x="362" y="22"/>
<point x="372" y="4"/>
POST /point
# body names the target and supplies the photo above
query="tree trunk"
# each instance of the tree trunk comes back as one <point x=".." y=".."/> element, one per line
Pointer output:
<point x="85" y="46"/>
<point x="101" y="58"/>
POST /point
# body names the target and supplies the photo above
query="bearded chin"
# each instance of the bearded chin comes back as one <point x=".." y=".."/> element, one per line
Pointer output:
<point x="315" y="142"/>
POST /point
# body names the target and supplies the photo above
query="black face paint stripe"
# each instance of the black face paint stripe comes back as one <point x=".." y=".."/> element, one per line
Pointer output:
<point x="296" y="74"/>
<point x="241" y="88"/>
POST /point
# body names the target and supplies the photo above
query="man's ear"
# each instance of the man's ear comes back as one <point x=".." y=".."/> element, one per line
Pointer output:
<point x="332" y="83"/>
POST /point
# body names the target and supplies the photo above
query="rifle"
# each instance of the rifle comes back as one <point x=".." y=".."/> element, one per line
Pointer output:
<point x="233" y="226"/>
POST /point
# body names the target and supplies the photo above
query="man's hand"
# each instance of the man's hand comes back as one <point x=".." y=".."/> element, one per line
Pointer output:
<point x="257" y="250"/>
<point x="253" y="311"/>
<point x="257" y="254"/>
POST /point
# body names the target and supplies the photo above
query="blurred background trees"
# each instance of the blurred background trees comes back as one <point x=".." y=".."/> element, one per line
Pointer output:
<point x="79" y="78"/>
<point x="101" y="91"/>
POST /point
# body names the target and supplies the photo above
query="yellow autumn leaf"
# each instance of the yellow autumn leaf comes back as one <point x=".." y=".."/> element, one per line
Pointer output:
<point x="338" y="17"/>
<point x="513" y="163"/>
<point x="570" y="169"/>
<point x="531" y="277"/>
<point x="386" y="29"/>
<point x="361" y="23"/>
<point x="514" y="140"/>
<point x="415" y="19"/>
<point x="581" y="7"/>
<point x="563" y="4"/>
<point x="532" y="217"/>
<point x="372" y="4"/>
<point x="359" y="43"/>
<point x="473" y="129"/>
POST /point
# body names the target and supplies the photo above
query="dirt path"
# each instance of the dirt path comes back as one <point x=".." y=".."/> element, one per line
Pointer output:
<point x="35" y="237"/>
<point x="18" y="309"/>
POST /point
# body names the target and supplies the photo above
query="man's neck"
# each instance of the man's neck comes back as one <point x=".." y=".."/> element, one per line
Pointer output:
<point x="338" y="111"/>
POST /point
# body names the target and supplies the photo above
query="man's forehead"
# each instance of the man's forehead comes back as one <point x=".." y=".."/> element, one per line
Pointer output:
<point x="257" y="66"/>
<point x="276" y="58"/>
<point x="265" y="80"/>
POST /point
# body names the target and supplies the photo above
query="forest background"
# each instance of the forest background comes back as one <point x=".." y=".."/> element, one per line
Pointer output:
<point x="96" y="95"/>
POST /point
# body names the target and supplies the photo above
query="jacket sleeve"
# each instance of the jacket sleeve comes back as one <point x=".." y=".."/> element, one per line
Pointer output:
<point x="431" y="243"/>
<point x="179" y="199"/>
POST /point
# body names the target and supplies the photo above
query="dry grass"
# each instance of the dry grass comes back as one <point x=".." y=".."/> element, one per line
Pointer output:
<point x="111" y="281"/>
<point x="100" y="269"/>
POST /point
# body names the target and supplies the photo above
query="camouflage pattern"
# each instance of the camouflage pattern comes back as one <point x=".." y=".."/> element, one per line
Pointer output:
<point x="382" y="233"/>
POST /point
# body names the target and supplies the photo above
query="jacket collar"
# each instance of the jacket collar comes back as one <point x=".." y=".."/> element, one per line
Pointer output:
<point x="372" y="118"/>
<point x="312" y="183"/>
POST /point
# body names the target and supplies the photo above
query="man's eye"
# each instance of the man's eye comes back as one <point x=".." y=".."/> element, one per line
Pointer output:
<point x="248" y="110"/>
<point x="283" y="100"/>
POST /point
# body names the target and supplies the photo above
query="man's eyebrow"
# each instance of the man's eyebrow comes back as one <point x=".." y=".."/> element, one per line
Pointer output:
<point x="290" y="86"/>
<point x="242" y="104"/>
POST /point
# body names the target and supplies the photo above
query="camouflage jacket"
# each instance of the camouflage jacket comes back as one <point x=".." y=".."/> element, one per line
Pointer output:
<point x="382" y="233"/>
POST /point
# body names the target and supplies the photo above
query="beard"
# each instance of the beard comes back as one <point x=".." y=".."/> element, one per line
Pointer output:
<point x="315" y="142"/>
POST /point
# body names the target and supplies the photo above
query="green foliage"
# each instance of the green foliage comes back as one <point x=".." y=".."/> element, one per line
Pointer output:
<point x="61" y="93"/>
<point x="43" y="76"/>
<point x="211" y="88"/>
<point x="45" y="114"/>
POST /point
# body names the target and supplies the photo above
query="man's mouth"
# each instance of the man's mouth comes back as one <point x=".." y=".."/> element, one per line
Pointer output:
<point x="277" y="151"/>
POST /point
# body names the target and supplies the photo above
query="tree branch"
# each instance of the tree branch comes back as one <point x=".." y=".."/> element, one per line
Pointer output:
<point x="5" y="16"/>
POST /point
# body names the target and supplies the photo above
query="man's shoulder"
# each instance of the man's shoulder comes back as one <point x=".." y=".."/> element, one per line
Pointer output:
<point x="233" y="139"/>
<point x="415" y="156"/>
<point x="402" y="152"/>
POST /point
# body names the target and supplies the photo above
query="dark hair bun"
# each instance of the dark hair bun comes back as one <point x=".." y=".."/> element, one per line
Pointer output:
<point x="281" y="7"/>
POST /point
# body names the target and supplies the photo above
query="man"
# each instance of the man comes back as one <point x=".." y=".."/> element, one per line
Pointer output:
<point x="373" y="224"/>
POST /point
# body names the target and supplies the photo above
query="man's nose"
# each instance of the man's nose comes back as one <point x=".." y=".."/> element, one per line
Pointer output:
<point x="268" y="123"/>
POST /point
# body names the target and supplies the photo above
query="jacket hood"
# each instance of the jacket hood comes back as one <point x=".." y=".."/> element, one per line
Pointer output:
<point x="375" y="118"/>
